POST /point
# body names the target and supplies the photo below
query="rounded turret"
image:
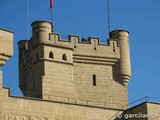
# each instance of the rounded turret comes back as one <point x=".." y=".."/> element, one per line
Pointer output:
<point x="125" y="67"/>
<point x="41" y="30"/>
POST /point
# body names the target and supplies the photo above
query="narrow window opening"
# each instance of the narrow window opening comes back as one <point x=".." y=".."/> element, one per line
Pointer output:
<point x="64" y="57"/>
<point x="37" y="56"/>
<point x="54" y="40"/>
<point x="94" y="80"/>
<point x="51" y="55"/>
<point x="114" y="50"/>
<point x="49" y="36"/>
<point x="94" y="45"/>
<point x="74" y="42"/>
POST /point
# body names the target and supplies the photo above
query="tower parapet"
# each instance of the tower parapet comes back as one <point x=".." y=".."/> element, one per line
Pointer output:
<point x="125" y="67"/>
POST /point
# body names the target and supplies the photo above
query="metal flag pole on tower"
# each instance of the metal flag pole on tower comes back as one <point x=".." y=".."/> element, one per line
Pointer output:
<point x="51" y="7"/>
<point x="108" y="6"/>
<point x="27" y="18"/>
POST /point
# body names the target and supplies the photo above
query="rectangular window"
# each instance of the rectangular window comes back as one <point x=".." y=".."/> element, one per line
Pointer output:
<point x="94" y="80"/>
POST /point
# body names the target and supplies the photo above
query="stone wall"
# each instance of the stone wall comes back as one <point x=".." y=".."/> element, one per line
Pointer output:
<point x="17" y="108"/>
<point x="107" y="89"/>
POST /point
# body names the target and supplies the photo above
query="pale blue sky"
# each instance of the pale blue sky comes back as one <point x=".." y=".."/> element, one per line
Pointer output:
<point x="89" y="18"/>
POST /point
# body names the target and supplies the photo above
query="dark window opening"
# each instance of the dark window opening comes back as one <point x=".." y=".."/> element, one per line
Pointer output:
<point x="64" y="57"/>
<point x="114" y="50"/>
<point x="94" y="45"/>
<point x="94" y="80"/>
<point x="51" y="55"/>
<point x="49" y="36"/>
<point x="74" y="42"/>
<point x="37" y="56"/>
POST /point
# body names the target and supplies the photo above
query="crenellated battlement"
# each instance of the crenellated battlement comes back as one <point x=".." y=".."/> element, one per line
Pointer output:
<point x="42" y="34"/>
<point x="76" y="39"/>
<point x="90" y="46"/>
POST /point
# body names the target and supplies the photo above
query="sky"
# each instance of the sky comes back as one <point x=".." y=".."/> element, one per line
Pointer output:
<point x="89" y="18"/>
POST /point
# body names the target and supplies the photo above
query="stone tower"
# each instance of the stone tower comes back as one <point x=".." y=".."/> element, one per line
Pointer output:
<point x="84" y="72"/>
<point x="6" y="49"/>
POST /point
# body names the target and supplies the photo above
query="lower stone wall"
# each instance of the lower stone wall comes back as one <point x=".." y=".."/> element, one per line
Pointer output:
<point x="20" y="108"/>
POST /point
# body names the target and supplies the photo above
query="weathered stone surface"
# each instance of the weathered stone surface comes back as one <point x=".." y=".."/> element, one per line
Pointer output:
<point x="16" y="108"/>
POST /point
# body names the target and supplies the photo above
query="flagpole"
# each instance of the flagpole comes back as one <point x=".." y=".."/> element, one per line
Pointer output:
<point x="28" y="19"/>
<point x="108" y="6"/>
<point x="52" y="15"/>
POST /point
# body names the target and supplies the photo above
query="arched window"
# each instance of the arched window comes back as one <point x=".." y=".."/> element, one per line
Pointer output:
<point x="51" y="55"/>
<point x="64" y="57"/>
<point x="37" y="56"/>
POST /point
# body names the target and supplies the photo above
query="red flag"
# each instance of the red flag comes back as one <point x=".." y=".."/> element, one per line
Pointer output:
<point x="51" y="3"/>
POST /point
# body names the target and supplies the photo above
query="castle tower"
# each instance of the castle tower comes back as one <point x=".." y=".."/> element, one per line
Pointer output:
<point x="84" y="72"/>
<point x="44" y="67"/>
<point x="29" y="55"/>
